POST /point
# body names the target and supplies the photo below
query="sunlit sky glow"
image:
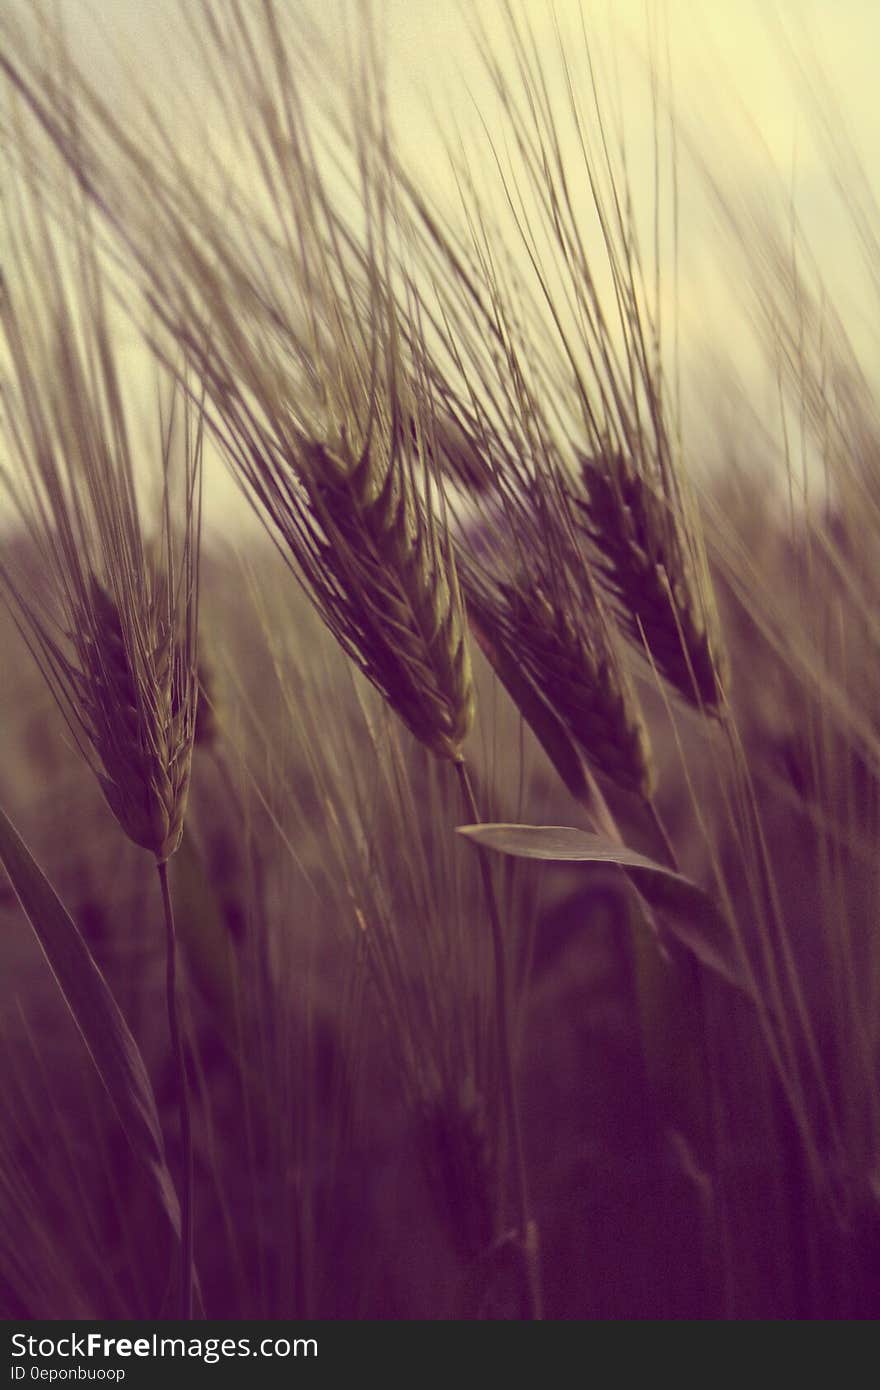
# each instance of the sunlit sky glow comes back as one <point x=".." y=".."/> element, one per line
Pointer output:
<point x="736" y="92"/>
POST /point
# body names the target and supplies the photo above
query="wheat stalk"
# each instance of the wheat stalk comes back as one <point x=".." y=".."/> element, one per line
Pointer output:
<point x="330" y="427"/>
<point x="112" y="617"/>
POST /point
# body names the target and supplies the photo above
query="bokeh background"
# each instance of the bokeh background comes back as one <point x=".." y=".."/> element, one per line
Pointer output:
<point x="311" y="1192"/>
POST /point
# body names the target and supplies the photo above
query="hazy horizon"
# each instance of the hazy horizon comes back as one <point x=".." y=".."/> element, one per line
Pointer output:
<point x="740" y="106"/>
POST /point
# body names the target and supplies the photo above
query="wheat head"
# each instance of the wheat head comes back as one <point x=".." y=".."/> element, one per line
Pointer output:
<point x="111" y="615"/>
<point x="650" y="572"/>
<point x="401" y="609"/>
<point x="139" y="716"/>
<point x="575" y="665"/>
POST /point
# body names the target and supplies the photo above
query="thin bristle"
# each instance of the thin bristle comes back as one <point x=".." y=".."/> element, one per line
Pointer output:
<point x="207" y="733"/>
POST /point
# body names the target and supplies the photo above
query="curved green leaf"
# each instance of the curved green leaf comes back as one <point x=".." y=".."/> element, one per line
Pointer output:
<point x="95" y="1012"/>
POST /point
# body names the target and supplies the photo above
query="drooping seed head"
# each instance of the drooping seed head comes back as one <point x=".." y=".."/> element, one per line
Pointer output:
<point x="663" y="594"/>
<point x="395" y="602"/>
<point x="573" y="661"/>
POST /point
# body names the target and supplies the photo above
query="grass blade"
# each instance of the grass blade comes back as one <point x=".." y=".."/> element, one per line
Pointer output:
<point x="689" y="914"/>
<point x="95" y="1012"/>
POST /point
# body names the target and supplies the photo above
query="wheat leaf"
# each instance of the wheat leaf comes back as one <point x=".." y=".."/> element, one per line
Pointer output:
<point x="689" y="914"/>
<point x="95" y="1012"/>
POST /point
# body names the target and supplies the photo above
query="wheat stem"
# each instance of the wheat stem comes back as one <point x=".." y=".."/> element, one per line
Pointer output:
<point x="715" y="1239"/>
<point x="186" y="1218"/>
<point x="505" y="1053"/>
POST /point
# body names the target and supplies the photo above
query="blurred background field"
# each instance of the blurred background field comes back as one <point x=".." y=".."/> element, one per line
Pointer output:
<point x="311" y="1192"/>
<point x="693" y="1149"/>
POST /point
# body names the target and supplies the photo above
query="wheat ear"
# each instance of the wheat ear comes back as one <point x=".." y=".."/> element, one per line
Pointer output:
<point x="402" y="609"/>
<point x="570" y="655"/>
<point x="139" y="716"/>
<point x="663" y="594"/>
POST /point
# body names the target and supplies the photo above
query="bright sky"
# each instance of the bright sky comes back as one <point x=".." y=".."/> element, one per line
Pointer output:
<point x="734" y="85"/>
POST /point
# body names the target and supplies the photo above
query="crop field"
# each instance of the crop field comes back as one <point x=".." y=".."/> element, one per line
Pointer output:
<point x="440" y="778"/>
